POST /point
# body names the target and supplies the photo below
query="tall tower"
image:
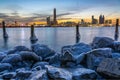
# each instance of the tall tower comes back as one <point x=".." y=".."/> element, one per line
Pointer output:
<point x="103" y="19"/>
<point x="54" y="16"/>
<point x="92" y="19"/>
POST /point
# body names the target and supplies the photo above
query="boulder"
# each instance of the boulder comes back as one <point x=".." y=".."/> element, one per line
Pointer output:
<point x="12" y="59"/>
<point x="101" y="42"/>
<point x="115" y="55"/>
<point x="42" y="50"/>
<point x="37" y="68"/>
<point x="55" y="60"/>
<point x="9" y="75"/>
<point x="29" y="56"/>
<point x="39" y="75"/>
<point x="77" y="48"/>
<point x="55" y="73"/>
<point x="5" y="66"/>
<point x="67" y="57"/>
<point x="22" y="75"/>
<point x="116" y="47"/>
<point x="109" y="68"/>
<point x="17" y="49"/>
<point x="2" y="55"/>
<point x="95" y="56"/>
<point x="42" y="64"/>
<point x="82" y="73"/>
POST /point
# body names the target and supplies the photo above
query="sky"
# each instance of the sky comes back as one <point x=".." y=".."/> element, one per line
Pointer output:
<point x="38" y="10"/>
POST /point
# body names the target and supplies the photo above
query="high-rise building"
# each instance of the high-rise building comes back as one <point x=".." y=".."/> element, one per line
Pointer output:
<point x="54" y="16"/>
<point x="48" y="21"/>
<point x="94" y="21"/>
<point x="101" y="19"/>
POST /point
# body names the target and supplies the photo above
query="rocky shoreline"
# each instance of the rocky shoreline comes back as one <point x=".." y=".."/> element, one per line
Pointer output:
<point x="98" y="60"/>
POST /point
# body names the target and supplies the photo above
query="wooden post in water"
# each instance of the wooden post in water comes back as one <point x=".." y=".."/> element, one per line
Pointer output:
<point x="116" y="30"/>
<point x="33" y="38"/>
<point x="77" y="34"/>
<point x="5" y="35"/>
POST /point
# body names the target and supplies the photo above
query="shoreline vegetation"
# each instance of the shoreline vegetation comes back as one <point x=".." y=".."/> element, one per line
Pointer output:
<point x="98" y="60"/>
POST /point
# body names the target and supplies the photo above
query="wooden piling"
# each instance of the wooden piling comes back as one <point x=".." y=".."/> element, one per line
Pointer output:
<point x="116" y="30"/>
<point x="77" y="34"/>
<point x="33" y="38"/>
<point x="5" y="35"/>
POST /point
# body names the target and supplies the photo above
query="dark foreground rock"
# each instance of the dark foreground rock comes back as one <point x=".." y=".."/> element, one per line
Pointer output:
<point x="55" y="73"/>
<point x="82" y="73"/>
<point x="42" y="50"/>
<point x="110" y="68"/>
<point x="5" y="66"/>
<point x="39" y="75"/>
<point x="102" y="42"/>
<point x="81" y="61"/>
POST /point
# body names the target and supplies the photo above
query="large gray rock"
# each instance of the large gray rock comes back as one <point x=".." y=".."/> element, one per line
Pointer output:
<point x="115" y="55"/>
<point x="12" y="59"/>
<point x="9" y="75"/>
<point x="77" y="48"/>
<point x="2" y="55"/>
<point x="96" y="56"/>
<point x="58" y="73"/>
<point x="39" y="75"/>
<point x="22" y="75"/>
<point x="109" y="68"/>
<point x="93" y="58"/>
<point x="116" y="46"/>
<point x="67" y="57"/>
<point x="42" y="64"/>
<point x="42" y="50"/>
<point x="82" y="73"/>
<point x="55" y="60"/>
<point x="17" y="49"/>
<point x="5" y="66"/>
<point x="102" y="42"/>
<point x="29" y="56"/>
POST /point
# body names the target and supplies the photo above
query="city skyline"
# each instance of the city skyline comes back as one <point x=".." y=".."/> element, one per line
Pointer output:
<point x="67" y="10"/>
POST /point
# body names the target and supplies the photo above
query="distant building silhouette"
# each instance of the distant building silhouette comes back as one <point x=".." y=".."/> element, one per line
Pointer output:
<point x="54" y="16"/>
<point x="101" y="19"/>
<point x="94" y="21"/>
<point x="48" y="21"/>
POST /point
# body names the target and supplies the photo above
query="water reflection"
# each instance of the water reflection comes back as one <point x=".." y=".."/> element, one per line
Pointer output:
<point x="53" y="37"/>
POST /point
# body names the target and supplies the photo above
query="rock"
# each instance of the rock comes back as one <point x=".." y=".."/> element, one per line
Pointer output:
<point x="21" y="48"/>
<point x="95" y="56"/>
<point x="37" y="68"/>
<point x="9" y="75"/>
<point x="42" y="50"/>
<point x="67" y="57"/>
<point x="55" y="60"/>
<point x="39" y="75"/>
<point x="116" y="46"/>
<point x="29" y="56"/>
<point x="109" y="68"/>
<point x="5" y="66"/>
<point x="102" y="42"/>
<point x="42" y="64"/>
<point x="12" y="59"/>
<point x="22" y="75"/>
<point x="58" y="73"/>
<point x="77" y="49"/>
<point x="2" y="55"/>
<point x="17" y="49"/>
<point x="115" y="55"/>
<point x="82" y="73"/>
<point x="81" y="58"/>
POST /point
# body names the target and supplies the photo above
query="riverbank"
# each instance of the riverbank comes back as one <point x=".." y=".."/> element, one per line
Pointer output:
<point x="98" y="60"/>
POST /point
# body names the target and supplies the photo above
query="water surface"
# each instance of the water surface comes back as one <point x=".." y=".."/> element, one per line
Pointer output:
<point x="55" y="38"/>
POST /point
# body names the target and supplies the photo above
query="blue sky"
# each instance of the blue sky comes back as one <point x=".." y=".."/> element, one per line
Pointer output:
<point x="39" y="9"/>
